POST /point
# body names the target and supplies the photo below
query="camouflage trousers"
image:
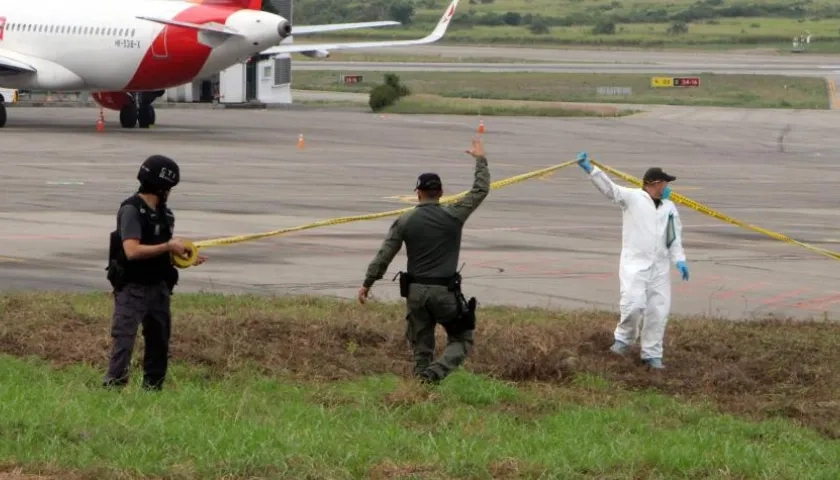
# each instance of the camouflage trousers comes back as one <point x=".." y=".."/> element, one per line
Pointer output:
<point x="427" y="306"/>
<point x="148" y="305"/>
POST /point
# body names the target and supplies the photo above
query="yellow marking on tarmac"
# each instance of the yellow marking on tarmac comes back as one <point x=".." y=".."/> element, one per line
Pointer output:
<point x="834" y="102"/>
<point x="11" y="260"/>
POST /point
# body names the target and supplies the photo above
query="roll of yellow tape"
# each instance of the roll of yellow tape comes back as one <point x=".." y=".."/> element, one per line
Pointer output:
<point x="182" y="262"/>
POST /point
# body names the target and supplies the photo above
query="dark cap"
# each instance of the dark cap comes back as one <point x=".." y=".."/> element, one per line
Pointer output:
<point x="654" y="174"/>
<point x="429" y="181"/>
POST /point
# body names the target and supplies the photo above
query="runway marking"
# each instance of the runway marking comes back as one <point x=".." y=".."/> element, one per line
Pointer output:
<point x="11" y="260"/>
<point x="834" y="102"/>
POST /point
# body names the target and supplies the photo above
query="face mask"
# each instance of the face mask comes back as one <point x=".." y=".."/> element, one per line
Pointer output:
<point x="666" y="193"/>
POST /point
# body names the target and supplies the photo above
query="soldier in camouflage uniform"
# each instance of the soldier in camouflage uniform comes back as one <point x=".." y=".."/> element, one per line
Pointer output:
<point x="432" y="235"/>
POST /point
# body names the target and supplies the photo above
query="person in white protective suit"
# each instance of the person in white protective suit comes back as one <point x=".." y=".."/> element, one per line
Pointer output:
<point x="651" y="240"/>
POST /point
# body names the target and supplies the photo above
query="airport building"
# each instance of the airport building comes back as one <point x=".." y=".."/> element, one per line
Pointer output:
<point x="257" y="80"/>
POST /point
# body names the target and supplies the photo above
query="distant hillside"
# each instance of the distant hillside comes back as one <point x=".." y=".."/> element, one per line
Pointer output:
<point x="592" y="22"/>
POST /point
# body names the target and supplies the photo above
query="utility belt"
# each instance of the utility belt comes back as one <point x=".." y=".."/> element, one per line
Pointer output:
<point x="465" y="320"/>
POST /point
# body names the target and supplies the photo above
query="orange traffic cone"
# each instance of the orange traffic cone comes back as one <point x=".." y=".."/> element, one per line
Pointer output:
<point x="100" y="124"/>
<point x="301" y="144"/>
<point x="481" y="126"/>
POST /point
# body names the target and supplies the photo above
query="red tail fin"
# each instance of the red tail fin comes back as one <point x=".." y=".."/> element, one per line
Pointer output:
<point x="250" y="4"/>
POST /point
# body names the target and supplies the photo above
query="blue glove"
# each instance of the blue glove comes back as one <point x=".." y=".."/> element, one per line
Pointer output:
<point x="583" y="161"/>
<point x="666" y="193"/>
<point x="683" y="269"/>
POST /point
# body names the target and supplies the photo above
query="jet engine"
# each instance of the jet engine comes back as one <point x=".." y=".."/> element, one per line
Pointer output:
<point x="316" y="53"/>
<point x="113" y="100"/>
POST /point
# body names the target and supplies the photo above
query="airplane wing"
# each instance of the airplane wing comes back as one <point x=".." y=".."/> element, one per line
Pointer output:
<point x="323" y="48"/>
<point x="308" y="29"/>
<point x="211" y="27"/>
<point x="9" y="65"/>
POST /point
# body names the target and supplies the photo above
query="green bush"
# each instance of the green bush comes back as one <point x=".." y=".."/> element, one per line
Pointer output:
<point x="387" y="93"/>
<point x="604" y="28"/>
<point x="392" y="80"/>
<point x="382" y="96"/>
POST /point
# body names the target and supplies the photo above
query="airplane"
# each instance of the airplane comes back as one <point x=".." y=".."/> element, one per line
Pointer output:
<point x="127" y="52"/>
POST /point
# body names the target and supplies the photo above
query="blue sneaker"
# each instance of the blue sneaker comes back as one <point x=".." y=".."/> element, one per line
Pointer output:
<point x="655" y="363"/>
<point x="620" y="348"/>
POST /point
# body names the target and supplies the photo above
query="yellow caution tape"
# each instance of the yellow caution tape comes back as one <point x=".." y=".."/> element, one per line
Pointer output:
<point x="194" y="247"/>
<point x="677" y="198"/>
<point x="181" y="262"/>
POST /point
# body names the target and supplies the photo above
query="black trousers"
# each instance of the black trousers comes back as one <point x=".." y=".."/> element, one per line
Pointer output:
<point x="148" y="305"/>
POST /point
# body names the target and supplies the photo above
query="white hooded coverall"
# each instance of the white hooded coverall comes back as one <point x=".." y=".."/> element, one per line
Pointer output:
<point x="644" y="269"/>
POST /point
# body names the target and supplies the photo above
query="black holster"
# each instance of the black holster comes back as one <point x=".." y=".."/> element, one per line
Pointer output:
<point x="405" y="281"/>
<point x="465" y="320"/>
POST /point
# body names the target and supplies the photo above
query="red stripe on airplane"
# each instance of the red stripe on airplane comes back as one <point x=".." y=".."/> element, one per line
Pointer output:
<point x="183" y="56"/>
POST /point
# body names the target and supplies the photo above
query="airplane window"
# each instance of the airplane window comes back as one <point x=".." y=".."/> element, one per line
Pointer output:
<point x="119" y="32"/>
<point x="132" y="32"/>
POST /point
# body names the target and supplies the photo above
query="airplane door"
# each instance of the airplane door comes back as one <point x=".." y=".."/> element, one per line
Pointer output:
<point x="159" y="49"/>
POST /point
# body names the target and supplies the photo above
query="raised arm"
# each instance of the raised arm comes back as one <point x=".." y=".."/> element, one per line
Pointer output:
<point x="463" y="208"/>
<point x="615" y="193"/>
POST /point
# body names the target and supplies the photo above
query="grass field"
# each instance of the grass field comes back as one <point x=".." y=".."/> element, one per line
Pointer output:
<point x="711" y="23"/>
<point x="315" y="388"/>
<point x="715" y="90"/>
<point x="434" y="104"/>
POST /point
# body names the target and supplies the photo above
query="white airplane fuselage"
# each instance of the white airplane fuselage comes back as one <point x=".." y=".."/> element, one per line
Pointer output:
<point x="101" y="45"/>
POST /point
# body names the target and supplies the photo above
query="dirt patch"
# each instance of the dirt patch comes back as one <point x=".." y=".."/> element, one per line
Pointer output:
<point x="760" y="369"/>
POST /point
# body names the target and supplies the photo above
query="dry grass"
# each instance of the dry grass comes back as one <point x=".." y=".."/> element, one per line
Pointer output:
<point x="435" y="104"/>
<point x="758" y="369"/>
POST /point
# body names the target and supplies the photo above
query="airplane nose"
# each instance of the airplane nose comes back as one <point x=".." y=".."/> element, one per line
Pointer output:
<point x="284" y="29"/>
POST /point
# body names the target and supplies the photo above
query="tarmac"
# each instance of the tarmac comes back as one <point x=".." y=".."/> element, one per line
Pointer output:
<point x="548" y="242"/>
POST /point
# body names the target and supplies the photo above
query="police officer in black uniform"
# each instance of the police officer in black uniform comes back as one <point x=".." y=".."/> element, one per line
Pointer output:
<point x="141" y="272"/>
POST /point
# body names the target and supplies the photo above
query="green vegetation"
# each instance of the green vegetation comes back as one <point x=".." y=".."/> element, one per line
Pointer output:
<point x="394" y="97"/>
<point x="714" y="90"/>
<point x="388" y="93"/>
<point x="434" y="104"/>
<point x="679" y="23"/>
<point x="313" y="388"/>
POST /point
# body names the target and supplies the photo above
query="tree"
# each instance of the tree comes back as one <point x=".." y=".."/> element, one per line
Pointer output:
<point x="268" y="7"/>
<point x="402" y="12"/>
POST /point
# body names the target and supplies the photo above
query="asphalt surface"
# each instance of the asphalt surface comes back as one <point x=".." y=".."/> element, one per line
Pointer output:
<point x="604" y="55"/>
<point x="593" y="61"/>
<point x="663" y="68"/>
<point x="551" y="242"/>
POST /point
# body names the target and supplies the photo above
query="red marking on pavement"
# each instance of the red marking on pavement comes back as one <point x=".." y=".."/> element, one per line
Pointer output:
<point x="783" y="296"/>
<point x="183" y="56"/>
<point x="733" y="292"/>
<point x="818" y="302"/>
<point x="691" y="287"/>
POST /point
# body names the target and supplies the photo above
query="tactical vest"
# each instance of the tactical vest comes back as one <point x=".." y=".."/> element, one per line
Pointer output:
<point x="157" y="227"/>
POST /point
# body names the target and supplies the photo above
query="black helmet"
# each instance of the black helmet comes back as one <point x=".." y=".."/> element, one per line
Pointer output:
<point x="159" y="173"/>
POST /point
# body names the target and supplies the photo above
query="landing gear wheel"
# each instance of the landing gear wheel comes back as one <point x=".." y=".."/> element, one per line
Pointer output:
<point x="146" y="116"/>
<point x="2" y="115"/>
<point x="128" y="116"/>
